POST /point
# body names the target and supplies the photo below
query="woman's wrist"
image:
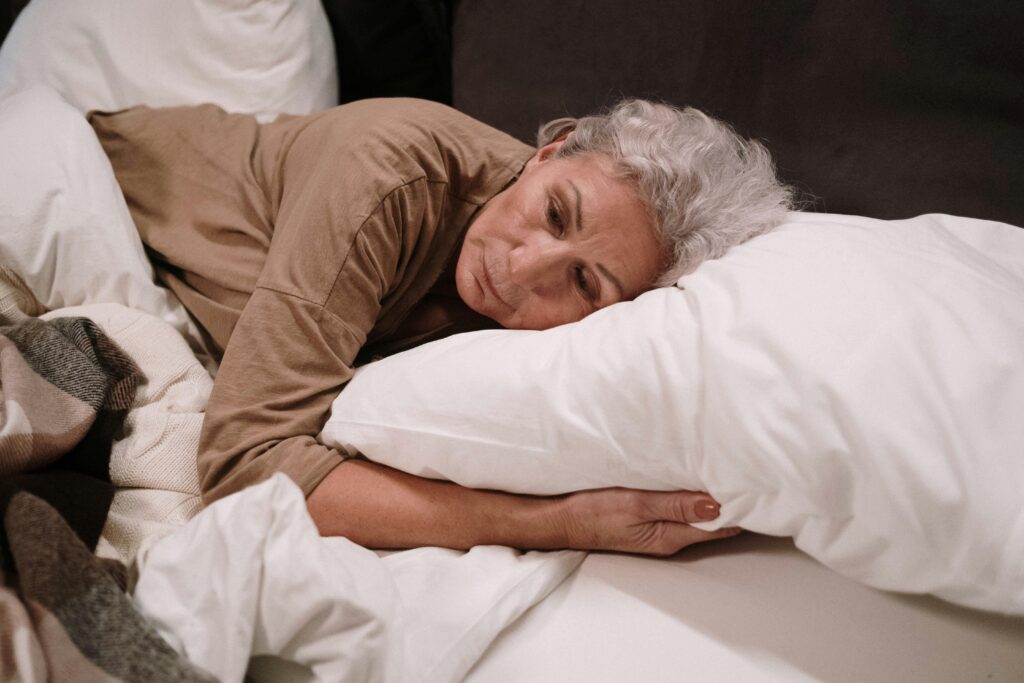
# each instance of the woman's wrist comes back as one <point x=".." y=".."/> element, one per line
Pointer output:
<point x="526" y="522"/>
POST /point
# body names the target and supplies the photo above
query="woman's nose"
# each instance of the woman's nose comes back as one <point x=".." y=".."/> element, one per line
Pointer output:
<point x="535" y="266"/>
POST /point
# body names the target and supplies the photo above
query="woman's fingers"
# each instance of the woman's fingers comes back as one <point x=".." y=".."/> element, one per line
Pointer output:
<point x="649" y="522"/>
<point x="674" y="536"/>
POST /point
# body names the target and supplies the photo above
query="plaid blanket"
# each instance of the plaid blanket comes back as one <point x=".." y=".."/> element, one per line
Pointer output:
<point x="66" y="388"/>
<point x="64" y="615"/>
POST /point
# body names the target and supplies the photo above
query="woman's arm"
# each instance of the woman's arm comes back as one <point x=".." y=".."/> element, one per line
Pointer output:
<point x="380" y="507"/>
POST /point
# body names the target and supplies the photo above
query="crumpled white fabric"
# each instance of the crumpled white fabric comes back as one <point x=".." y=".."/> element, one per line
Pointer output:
<point x="65" y="229"/>
<point x="250" y="576"/>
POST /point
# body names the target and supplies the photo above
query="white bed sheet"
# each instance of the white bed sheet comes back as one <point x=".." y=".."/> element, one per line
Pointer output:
<point x="749" y="609"/>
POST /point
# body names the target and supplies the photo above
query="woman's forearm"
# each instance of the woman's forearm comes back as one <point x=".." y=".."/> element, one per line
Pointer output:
<point x="380" y="507"/>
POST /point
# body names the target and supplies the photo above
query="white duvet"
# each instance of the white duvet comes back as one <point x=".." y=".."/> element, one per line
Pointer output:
<point x="251" y="576"/>
<point x="853" y="383"/>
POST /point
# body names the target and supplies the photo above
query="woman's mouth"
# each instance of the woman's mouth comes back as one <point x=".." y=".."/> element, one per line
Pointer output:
<point x="485" y="281"/>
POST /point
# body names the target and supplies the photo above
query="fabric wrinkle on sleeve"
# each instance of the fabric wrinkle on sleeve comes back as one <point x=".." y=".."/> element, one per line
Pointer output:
<point x="295" y="345"/>
<point x="283" y="368"/>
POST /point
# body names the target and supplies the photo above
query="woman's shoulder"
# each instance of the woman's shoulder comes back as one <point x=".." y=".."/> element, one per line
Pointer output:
<point x="412" y="138"/>
<point x="412" y="116"/>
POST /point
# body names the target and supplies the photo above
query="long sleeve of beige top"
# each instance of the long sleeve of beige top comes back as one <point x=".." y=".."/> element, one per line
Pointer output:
<point x="294" y="245"/>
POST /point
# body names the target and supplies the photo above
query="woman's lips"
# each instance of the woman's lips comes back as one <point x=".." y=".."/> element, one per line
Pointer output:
<point x="485" y="281"/>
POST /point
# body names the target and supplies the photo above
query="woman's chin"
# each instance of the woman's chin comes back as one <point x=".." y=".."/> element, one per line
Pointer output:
<point x="469" y="289"/>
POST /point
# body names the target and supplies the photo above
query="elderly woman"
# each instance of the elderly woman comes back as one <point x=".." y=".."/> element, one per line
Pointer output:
<point x="308" y="245"/>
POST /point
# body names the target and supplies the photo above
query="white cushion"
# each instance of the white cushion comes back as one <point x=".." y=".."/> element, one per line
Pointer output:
<point x="64" y="226"/>
<point x="260" y="57"/>
<point x="856" y="384"/>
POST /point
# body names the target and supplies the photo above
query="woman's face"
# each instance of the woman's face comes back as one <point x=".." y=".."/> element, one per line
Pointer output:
<point x="564" y="240"/>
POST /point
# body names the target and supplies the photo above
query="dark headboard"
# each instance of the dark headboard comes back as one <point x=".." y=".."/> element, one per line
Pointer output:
<point x="9" y="10"/>
<point x="885" y="109"/>
<point x="392" y="48"/>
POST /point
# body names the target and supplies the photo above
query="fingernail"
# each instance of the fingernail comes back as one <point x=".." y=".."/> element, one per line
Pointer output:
<point x="707" y="510"/>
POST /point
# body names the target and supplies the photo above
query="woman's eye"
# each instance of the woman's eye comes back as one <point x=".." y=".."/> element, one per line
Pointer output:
<point x="555" y="218"/>
<point x="583" y="283"/>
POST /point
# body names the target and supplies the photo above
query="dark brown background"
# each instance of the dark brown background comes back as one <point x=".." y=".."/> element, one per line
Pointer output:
<point x="885" y="109"/>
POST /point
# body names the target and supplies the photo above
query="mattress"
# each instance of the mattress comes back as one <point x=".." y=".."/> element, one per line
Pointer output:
<point x="752" y="608"/>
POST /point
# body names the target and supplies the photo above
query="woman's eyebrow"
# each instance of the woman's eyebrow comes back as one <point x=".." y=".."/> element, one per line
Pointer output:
<point x="579" y="228"/>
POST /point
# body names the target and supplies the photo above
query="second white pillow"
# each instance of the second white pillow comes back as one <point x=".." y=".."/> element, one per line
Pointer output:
<point x="265" y="57"/>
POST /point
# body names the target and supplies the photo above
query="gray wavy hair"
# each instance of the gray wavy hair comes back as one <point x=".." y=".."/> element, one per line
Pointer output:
<point x="707" y="188"/>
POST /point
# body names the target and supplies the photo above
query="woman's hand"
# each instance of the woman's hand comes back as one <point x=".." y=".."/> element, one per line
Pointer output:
<point x="646" y="522"/>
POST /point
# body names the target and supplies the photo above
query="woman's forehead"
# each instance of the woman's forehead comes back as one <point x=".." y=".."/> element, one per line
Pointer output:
<point x="611" y="219"/>
<point x="600" y="195"/>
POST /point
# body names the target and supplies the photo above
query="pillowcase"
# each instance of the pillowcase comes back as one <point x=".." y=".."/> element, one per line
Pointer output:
<point x="853" y="383"/>
<point x="264" y="57"/>
<point x="65" y="229"/>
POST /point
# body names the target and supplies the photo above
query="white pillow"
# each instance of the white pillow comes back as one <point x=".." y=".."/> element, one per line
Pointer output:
<point x="64" y="226"/>
<point x="856" y="384"/>
<point x="260" y="57"/>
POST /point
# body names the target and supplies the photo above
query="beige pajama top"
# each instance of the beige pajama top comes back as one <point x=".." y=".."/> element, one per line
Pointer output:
<point x="295" y="245"/>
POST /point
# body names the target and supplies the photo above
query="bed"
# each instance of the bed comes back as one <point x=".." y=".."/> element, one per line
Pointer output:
<point x="877" y="115"/>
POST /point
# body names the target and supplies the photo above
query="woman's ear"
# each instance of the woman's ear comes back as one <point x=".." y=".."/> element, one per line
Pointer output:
<point x="546" y="152"/>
